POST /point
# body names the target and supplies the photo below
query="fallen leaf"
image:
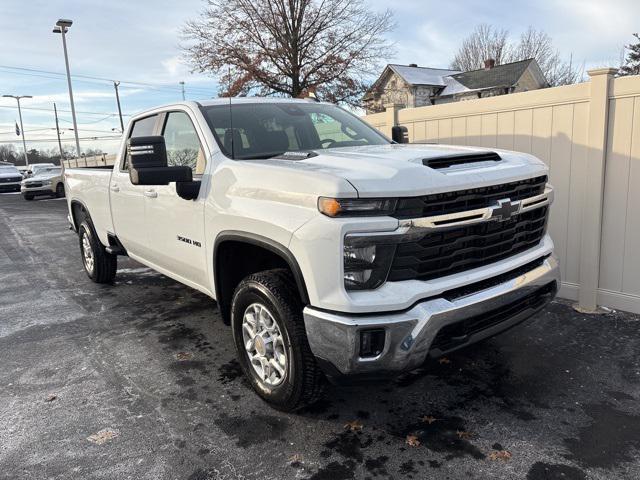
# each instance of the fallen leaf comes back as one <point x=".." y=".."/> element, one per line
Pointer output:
<point x="103" y="436"/>
<point x="428" y="419"/>
<point x="295" y="458"/>
<point x="412" y="441"/>
<point x="182" y="356"/>
<point x="444" y="361"/>
<point x="464" y="435"/>
<point x="503" y="455"/>
<point x="51" y="398"/>
<point x="353" y="425"/>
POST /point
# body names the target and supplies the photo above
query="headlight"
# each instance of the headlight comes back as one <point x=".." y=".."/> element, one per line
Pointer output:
<point x="354" y="207"/>
<point x="366" y="263"/>
<point x="46" y="182"/>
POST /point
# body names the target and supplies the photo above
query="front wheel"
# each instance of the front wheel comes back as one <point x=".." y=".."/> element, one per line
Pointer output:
<point x="100" y="265"/>
<point x="271" y="341"/>
<point x="60" y="190"/>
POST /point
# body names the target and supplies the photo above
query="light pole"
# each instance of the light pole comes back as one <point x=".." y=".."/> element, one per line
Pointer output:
<point x="55" y="112"/>
<point x="62" y="26"/>
<point x="115" y="85"/>
<point x="182" y="85"/>
<point x="24" y="142"/>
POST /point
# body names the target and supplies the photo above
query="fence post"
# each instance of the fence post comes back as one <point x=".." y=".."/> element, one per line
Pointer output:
<point x="594" y="194"/>
<point x="391" y="117"/>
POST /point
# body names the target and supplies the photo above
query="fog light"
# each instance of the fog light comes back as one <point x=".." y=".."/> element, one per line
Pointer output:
<point x="371" y="342"/>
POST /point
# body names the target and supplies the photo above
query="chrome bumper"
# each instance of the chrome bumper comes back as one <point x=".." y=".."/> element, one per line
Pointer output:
<point x="334" y="338"/>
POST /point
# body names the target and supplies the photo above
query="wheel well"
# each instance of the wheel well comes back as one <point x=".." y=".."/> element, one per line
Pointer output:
<point x="235" y="259"/>
<point x="78" y="213"/>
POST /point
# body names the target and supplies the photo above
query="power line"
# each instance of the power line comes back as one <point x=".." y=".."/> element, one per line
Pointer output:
<point x="65" y="111"/>
<point x="13" y="131"/>
<point x="43" y="73"/>
<point x="111" y="137"/>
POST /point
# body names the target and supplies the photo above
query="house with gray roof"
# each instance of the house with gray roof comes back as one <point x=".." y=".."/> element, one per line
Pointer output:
<point x="414" y="86"/>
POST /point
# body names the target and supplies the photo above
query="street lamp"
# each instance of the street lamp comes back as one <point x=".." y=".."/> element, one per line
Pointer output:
<point x="62" y="26"/>
<point x="24" y="143"/>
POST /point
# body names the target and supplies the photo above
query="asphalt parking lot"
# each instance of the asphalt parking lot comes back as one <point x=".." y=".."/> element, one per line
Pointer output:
<point x="138" y="380"/>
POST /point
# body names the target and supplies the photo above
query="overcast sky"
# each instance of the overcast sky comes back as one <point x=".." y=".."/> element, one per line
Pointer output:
<point x="138" y="41"/>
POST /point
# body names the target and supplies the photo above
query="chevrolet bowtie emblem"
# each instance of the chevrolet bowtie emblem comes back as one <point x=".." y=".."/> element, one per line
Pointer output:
<point x="505" y="210"/>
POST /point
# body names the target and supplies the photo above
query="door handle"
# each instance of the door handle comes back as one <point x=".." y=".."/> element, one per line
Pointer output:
<point x="150" y="193"/>
<point x="115" y="187"/>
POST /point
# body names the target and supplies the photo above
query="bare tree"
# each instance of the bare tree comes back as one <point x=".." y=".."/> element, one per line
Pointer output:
<point x="488" y="42"/>
<point x="538" y="44"/>
<point x="484" y="42"/>
<point x="8" y="153"/>
<point x="289" y="47"/>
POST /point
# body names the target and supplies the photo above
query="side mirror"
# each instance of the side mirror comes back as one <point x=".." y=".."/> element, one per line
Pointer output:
<point x="148" y="163"/>
<point x="400" y="134"/>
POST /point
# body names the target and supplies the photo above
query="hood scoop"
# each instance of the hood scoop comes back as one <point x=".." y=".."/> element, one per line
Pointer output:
<point x="298" y="155"/>
<point x="455" y="159"/>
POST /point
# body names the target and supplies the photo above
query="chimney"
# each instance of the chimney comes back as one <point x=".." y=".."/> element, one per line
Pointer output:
<point x="413" y="64"/>
<point x="489" y="63"/>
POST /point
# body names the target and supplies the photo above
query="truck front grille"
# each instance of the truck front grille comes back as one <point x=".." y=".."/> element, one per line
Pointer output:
<point x="463" y="200"/>
<point x="444" y="252"/>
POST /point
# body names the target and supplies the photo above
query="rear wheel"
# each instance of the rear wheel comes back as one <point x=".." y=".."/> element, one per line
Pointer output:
<point x="100" y="265"/>
<point x="60" y="190"/>
<point x="271" y="341"/>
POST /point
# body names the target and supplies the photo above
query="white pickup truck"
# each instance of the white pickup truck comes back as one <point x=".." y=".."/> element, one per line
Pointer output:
<point x="332" y="251"/>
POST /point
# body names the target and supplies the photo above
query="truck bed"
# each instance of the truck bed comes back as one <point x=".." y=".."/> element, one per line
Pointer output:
<point x="89" y="186"/>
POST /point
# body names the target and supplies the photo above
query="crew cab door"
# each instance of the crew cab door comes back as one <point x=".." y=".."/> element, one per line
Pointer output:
<point x="175" y="226"/>
<point x="127" y="199"/>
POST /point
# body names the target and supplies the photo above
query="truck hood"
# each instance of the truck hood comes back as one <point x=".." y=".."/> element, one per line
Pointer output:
<point x="398" y="170"/>
<point x="10" y="175"/>
<point x="45" y="176"/>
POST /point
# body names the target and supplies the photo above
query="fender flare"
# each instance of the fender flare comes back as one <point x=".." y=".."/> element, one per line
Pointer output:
<point x="74" y="220"/>
<point x="266" y="243"/>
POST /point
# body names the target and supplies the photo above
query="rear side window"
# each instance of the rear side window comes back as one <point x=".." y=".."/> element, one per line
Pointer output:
<point x="141" y="128"/>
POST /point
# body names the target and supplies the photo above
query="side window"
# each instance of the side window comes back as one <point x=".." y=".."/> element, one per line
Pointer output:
<point x="141" y="128"/>
<point x="183" y="145"/>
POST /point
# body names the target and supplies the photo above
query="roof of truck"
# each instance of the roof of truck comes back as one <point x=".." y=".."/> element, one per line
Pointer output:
<point x="225" y="100"/>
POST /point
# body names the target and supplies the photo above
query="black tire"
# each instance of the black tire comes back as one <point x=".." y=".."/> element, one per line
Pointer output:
<point x="60" y="190"/>
<point x="303" y="382"/>
<point x="102" y="268"/>
<point x="28" y="196"/>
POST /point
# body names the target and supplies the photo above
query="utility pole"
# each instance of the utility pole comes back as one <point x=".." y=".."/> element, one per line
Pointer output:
<point x="24" y="142"/>
<point x="182" y="85"/>
<point x="62" y="26"/>
<point x="115" y="85"/>
<point x="55" y="112"/>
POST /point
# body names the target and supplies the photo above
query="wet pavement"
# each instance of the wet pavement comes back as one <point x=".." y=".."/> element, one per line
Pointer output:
<point x="138" y="380"/>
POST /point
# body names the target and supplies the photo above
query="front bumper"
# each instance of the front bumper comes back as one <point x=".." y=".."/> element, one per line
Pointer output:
<point x="334" y="338"/>
<point x="10" y="187"/>
<point x="43" y="190"/>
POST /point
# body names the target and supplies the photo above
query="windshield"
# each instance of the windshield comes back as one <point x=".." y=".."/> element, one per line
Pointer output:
<point x="49" y="171"/>
<point x="264" y="130"/>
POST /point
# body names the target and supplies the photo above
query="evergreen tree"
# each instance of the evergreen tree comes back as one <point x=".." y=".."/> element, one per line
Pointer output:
<point x="632" y="65"/>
